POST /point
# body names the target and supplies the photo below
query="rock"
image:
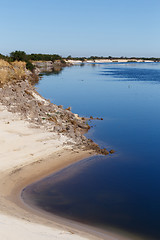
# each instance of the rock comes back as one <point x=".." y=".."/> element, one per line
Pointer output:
<point x="67" y="128"/>
<point x="60" y="106"/>
<point x="69" y="109"/>
<point x="83" y="125"/>
<point x="57" y="128"/>
<point x="112" y="151"/>
<point x="104" y="151"/>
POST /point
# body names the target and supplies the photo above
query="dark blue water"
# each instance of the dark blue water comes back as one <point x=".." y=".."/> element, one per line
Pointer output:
<point x="121" y="191"/>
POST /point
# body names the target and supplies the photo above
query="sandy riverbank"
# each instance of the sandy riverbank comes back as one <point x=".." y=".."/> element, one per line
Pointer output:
<point x="134" y="60"/>
<point x="37" y="138"/>
<point x="28" y="154"/>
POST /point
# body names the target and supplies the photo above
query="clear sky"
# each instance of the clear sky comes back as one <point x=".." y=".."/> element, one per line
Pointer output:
<point x="81" y="27"/>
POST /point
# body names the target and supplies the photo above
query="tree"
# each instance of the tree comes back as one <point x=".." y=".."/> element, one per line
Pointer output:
<point x="19" y="56"/>
<point x="69" y="57"/>
<point x="2" y="56"/>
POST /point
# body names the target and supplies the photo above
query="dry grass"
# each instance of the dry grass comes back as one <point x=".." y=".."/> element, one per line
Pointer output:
<point x="3" y="63"/>
<point x="12" y="72"/>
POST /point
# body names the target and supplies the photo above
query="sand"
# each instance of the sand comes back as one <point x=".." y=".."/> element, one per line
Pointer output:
<point x="109" y="61"/>
<point x="27" y="154"/>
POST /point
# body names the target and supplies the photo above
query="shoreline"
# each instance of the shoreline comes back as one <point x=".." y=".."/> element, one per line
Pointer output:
<point x="13" y="204"/>
<point x="17" y="207"/>
<point x="12" y="182"/>
<point x="27" y="155"/>
<point x="116" y="60"/>
<point x="38" y="138"/>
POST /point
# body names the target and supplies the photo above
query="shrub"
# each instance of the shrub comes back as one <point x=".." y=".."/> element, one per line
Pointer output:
<point x="30" y="66"/>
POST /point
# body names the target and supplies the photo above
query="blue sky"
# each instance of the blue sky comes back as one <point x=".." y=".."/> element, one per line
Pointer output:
<point x="81" y="28"/>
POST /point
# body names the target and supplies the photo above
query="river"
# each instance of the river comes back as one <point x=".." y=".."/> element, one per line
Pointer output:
<point x="118" y="192"/>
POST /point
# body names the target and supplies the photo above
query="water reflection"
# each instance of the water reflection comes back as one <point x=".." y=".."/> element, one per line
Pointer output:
<point x="47" y="71"/>
<point x="55" y="70"/>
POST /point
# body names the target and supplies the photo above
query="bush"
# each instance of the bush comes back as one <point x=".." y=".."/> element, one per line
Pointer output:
<point x="44" y="57"/>
<point x="18" y="56"/>
<point x="29" y="66"/>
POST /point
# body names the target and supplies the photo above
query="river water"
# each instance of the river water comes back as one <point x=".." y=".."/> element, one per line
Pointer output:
<point x="119" y="192"/>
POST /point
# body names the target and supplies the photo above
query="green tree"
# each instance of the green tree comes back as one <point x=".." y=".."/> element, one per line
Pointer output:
<point x="19" y="56"/>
